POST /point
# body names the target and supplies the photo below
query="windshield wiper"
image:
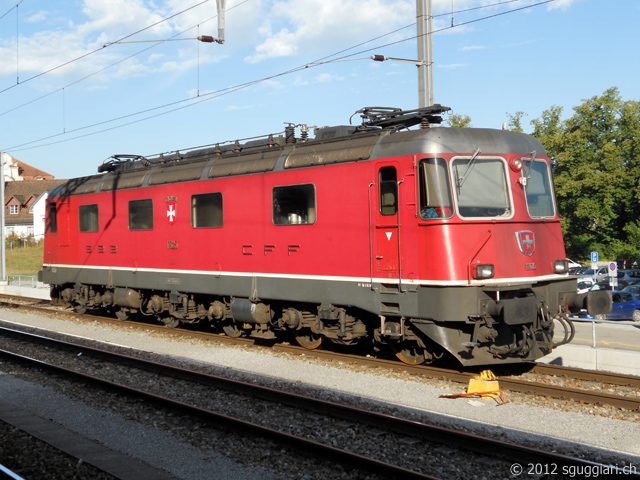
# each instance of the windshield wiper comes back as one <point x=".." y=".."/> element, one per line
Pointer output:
<point x="466" y="172"/>
<point x="531" y="160"/>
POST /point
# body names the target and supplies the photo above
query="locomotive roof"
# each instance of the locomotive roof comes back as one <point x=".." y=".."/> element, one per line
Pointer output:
<point x="380" y="136"/>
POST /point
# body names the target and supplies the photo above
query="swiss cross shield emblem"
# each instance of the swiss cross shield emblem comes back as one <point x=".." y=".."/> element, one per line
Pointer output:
<point x="171" y="209"/>
<point x="526" y="242"/>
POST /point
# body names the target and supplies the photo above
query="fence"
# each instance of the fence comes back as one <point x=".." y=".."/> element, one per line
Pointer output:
<point x="25" y="281"/>
<point x="594" y="321"/>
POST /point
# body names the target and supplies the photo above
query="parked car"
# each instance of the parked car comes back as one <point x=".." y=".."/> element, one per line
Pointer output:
<point x="625" y="306"/>
<point x="604" y="286"/>
<point x="628" y="264"/>
<point x="573" y="266"/>
<point x="635" y="289"/>
<point x="598" y="275"/>
<point x="585" y="284"/>
<point x="627" y="276"/>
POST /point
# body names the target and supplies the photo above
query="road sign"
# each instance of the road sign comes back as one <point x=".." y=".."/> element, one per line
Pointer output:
<point x="613" y="269"/>
<point x="594" y="257"/>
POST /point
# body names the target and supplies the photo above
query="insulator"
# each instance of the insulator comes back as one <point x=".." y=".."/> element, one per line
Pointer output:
<point x="218" y="151"/>
<point x="237" y="148"/>
<point x="290" y="134"/>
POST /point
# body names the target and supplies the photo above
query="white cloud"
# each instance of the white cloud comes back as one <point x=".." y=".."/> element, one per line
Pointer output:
<point x="562" y="4"/>
<point x="38" y="17"/>
<point x="320" y="25"/>
<point x="473" y="47"/>
<point x="121" y="17"/>
<point x="99" y="22"/>
<point x="328" y="77"/>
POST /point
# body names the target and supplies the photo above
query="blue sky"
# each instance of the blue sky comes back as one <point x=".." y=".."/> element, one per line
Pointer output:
<point x="498" y="59"/>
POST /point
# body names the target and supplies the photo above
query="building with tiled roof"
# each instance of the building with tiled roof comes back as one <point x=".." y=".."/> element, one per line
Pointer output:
<point x="27" y="172"/>
<point x="19" y="197"/>
<point x="25" y="195"/>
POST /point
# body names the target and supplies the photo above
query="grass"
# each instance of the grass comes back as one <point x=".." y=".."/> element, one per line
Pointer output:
<point x="24" y="260"/>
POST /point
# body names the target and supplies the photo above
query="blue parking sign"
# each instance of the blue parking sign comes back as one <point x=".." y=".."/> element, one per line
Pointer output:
<point x="594" y="257"/>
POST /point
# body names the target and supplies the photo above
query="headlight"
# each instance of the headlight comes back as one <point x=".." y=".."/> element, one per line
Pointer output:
<point x="561" y="266"/>
<point x="516" y="164"/>
<point x="484" y="271"/>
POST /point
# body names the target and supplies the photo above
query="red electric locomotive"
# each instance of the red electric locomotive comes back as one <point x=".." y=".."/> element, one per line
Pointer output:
<point x="433" y="240"/>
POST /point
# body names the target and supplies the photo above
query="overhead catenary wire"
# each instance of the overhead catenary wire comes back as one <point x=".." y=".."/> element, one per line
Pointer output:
<point x="215" y="94"/>
<point x="85" y="55"/>
<point x="156" y="43"/>
<point x="10" y="10"/>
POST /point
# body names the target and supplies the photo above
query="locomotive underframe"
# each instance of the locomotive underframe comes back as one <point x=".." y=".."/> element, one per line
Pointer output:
<point x="476" y="325"/>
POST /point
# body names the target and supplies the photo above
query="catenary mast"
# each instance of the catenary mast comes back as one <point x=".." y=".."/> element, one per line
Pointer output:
<point x="425" y="53"/>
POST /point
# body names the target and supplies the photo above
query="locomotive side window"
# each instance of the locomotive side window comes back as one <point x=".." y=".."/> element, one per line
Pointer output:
<point x="53" y="218"/>
<point x="481" y="187"/>
<point x="388" y="191"/>
<point x="294" y="205"/>
<point x="88" y="218"/>
<point x="538" y="189"/>
<point x="435" y="190"/>
<point x="141" y="214"/>
<point x="206" y="210"/>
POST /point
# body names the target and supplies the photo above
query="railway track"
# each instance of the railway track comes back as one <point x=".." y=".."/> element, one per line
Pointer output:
<point x="6" y="474"/>
<point x="532" y="379"/>
<point x="397" y="433"/>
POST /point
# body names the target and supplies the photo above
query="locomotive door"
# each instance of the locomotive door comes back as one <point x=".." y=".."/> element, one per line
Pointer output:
<point x="62" y="221"/>
<point x="386" y="260"/>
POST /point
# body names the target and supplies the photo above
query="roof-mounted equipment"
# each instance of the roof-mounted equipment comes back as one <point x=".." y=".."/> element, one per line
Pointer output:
<point x="386" y="117"/>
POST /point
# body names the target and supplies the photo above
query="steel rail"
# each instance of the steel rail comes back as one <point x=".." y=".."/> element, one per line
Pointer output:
<point x="588" y="375"/>
<point x="506" y="383"/>
<point x="471" y="442"/>
<point x="6" y="474"/>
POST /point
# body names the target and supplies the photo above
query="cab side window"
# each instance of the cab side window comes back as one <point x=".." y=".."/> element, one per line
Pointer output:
<point x="53" y="218"/>
<point x="388" y="181"/>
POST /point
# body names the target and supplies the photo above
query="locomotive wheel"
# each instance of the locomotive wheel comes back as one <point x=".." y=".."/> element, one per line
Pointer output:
<point x="410" y="352"/>
<point x="310" y="341"/>
<point x="170" y="321"/>
<point x="81" y="309"/>
<point x="232" y="330"/>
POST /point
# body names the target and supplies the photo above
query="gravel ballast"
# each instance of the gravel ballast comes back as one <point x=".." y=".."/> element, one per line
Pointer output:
<point x="515" y="422"/>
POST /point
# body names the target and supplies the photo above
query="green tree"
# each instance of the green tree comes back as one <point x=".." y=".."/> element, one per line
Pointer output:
<point x="595" y="156"/>
<point x="460" y="121"/>
<point x="515" y="121"/>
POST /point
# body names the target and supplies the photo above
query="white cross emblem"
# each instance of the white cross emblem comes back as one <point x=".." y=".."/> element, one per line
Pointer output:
<point x="171" y="213"/>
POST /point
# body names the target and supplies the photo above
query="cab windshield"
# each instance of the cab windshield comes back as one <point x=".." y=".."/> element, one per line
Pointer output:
<point x="435" y="190"/>
<point x="538" y="189"/>
<point x="481" y="187"/>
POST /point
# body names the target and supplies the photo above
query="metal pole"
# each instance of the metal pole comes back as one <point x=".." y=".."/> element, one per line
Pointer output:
<point x="221" y="9"/>
<point x="425" y="53"/>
